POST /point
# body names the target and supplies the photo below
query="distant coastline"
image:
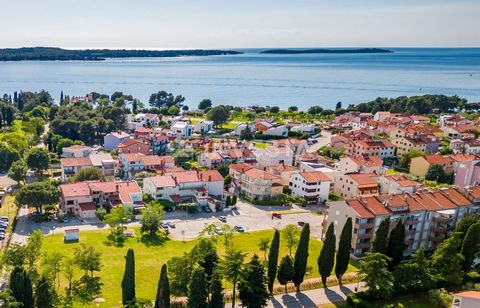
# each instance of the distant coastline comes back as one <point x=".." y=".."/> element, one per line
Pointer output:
<point x="59" y="54"/>
<point x="303" y="51"/>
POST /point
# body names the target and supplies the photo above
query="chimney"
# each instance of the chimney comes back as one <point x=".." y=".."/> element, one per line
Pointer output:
<point x="209" y="178"/>
<point x="116" y="187"/>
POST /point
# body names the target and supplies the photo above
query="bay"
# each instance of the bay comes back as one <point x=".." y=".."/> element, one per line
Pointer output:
<point x="251" y="78"/>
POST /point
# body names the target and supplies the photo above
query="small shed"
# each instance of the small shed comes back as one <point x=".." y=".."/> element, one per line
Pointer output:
<point x="71" y="235"/>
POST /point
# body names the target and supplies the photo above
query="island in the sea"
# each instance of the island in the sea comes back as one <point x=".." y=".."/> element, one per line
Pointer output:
<point x="59" y="54"/>
<point x="300" y="51"/>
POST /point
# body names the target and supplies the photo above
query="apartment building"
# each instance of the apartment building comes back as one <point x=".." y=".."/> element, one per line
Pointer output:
<point x="132" y="163"/>
<point x="427" y="216"/>
<point x="352" y="185"/>
<point x="142" y="120"/>
<point x="370" y="147"/>
<point x="203" y="127"/>
<point x="113" y="139"/>
<point x="133" y="146"/>
<point x="84" y="198"/>
<point x="419" y="165"/>
<point x="76" y="151"/>
<point x="397" y="184"/>
<point x="259" y="184"/>
<point x="274" y="155"/>
<point x="314" y="186"/>
<point x="210" y="159"/>
<point x="365" y="164"/>
<point x="72" y="165"/>
<point x="407" y="144"/>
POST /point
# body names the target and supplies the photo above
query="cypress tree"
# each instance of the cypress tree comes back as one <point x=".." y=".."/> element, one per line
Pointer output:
<point x="216" y="289"/>
<point x="128" y="281"/>
<point x="343" y="253"/>
<point x="301" y="257"/>
<point x="44" y="293"/>
<point x="163" y="290"/>
<point x="253" y="286"/>
<point x="395" y="245"/>
<point x="21" y="286"/>
<point x="470" y="245"/>
<point x="228" y="202"/>
<point x="234" y="200"/>
<point x="327" y="255"/>
<point x="285" y="271"/>
<point x="273" y="260"/>
<point x="197" y="289"/>
<point x="61" y="98"/>
<point x="380" y="241"/>
<point x="15" y="97"/>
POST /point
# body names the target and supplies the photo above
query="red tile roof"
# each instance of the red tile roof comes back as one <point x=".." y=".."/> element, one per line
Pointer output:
<point x="76" y="162"/>
<point x="314" y="177"/>
<point x="260" y="174"/>
<point x="369" y="161"/>
<point x="211" y="176"/>
<point x="469" y="294"/>
<point x="438" y="159"/>
<point x="163" y="181"/>
<point x="359" y="209"/>
<point x="75" y="190"/>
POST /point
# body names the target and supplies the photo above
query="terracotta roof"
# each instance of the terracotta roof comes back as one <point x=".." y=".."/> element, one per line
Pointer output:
<point x="474" y="192"/>
<point x="402" y="180"/>
<point x="473" y="142"/>
<point x="260" y="174"/>
<point x="128" y="143"/>
<point x="279" y="149"/>
<point x="211" y="176"/>
<point x="375" y="206"/>
<point x="88" y="206"/>
<point x="163" y="181"/>
<point x="105" y="187"/>
<point x="359" y="209"/>
<point x="119" y="134"/>
<point x="154" y="160"/>
<point x="422" y="129"/>
<point x="76" y="147"/>
<point x="419" y="118"/>
<point x="363" y="178"/>
<point x="375" y="143"/>
<point x="213" y="156"/>
<point x="186" y="177"/>
<point x="281" y="167"/>
<point x="151" y="115"/>
<point x="75" y="190"/>
<point x="369" y="161"/>
<point x="133" y="157"/>
<point x="314" y="177"/>
<point x="456" y="197"/>
<point x="438" y="159"/>
<point x="241" y="167"/>
<point x="126" y="189"/>
<point x="469" y="294"/>
<point x="76" y="162"/>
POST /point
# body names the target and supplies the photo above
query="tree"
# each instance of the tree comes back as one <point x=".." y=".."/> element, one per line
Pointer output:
<point x="38" y="159"/>
<point x="164" y="99"/>
<point x="274" y="109"/>
<point x="162" y="300"/>
<point x="380" y="241"/>
<point x="18" y="171"/>
<point x="415" y="275"/>
<point x="436" y="173"/>
<point x="293" y="108"/>
<point x="273" y="260"/>
<point x="8" y="300"/>
<point x="21" y="286"/>
<point x="315" y="110"/>
<point x="68" y="272"/>
<point x="253" y="287"/>
<point x="205" y="253"/>
<point x="45" y="296"/>
<point x="232" y="266"/>
<point x="395" y="245"/>
<point x="52" y="263"/>
<point x="89" y="174"/>
<point x="338" y="105"/>
<point x="343" y="253"/>
<point x="218" y="115"/>
<point x="151" y="218"/>
<point x="326" y="258"/>
<point x="377" y="277"/>
<point x="180" y="270"/>
<point x="33" y="248"/>
<point x="117" y="218"/>
<point x="204" y="104"/>
<point x="128" y="281"/>
<point x="217" y="299"/>
<point x="197" y="290"/>
<point x="173" y="110"/>
<point x="290" y="235"/>
<point x="223" y="169"/>
<point x="63" y="143"/>
<point x="285" y="271"/>
<point x="447" y="262"/>
<point x="470" y="245"/>
<point x="246" y="134"/>
<point x="263" y="245"/>
<point x="37" y="195"/>
<point x="87" y="259"/>
<point x="301" y="257"/>
<point x="7" y="156"/>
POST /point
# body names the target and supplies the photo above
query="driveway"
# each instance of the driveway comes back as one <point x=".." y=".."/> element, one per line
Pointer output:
<point x="324" y="139"/>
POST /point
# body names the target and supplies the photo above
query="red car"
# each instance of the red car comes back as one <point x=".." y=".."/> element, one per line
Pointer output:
<point x="276" y="215"/>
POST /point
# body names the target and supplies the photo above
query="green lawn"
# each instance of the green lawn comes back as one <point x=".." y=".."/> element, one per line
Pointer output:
<point x="261" y="145"/>
<point x="150" y="257"/>
<point x="9" y="209"/>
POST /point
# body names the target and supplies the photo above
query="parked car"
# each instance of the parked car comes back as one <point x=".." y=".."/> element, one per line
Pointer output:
<point x="164" y="225"/>
<point x="206" y="209"/>
<point x="276" y="215"/>
<point x="223" y="218"/>
<point x="171" y="225"/>
<point x="4" y="218"/>
<point x="301" y="223"/>
<point x="218" y="230"/>
<point x="2" y="236"/>
<point x="239" y="229"/>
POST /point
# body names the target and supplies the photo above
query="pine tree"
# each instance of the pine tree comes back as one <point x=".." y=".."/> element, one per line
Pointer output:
<point x="44" y="293"/>
<point x="21" y="286"/>
<point x="197" y="289"/>
<point x="217" y="299"/>
<point x="343" y="253"/>
<point x="301" y="257"/>
<point x="253" y="287"/>
<point x="326" y="259"/>
<point x="470" y="245"/>
<point x="395" y="245"/>
<point x="163" y="290"/>
<point x="128" y="281"/>
<point x="380" y="241"/>
<point x="446" y="262"/>
<point x="273" y="260"/>
<point x="285" y="271"/>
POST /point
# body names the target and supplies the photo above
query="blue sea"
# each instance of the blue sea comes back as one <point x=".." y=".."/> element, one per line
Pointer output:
<point x="251" y="78"/>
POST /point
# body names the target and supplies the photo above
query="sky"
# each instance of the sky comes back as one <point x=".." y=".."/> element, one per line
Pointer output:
<point x="173" y="24"/>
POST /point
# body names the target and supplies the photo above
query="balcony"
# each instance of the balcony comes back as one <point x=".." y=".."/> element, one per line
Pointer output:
<point x="441" y="219"/>
<point x="363" y="245"/>
<point x="411" y="222"/>
<point x="364" y="226"/>
<point x="438" y="229"/>
<point x="365" y="235"/>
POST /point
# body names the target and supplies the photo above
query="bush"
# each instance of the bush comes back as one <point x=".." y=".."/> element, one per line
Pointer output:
<point x="283" y="200"/>
<point x="354" y="300"/>
<point x="440" y="298"/>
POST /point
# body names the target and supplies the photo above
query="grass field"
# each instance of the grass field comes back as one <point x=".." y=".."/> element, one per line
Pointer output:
<point x="261" y="145"/>
<point x="149" y="258"/>
<point x="9" y="209"/>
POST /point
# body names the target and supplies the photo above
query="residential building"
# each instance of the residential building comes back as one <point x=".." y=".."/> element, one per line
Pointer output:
<point x="467" y="170"/>
<point x="142" y="120"/>
<point x="270" y="129"/>
<point x="407" y="144"/>
<point x="314" y="186"/>
<point x="132" y="163"/>
<point x="365" y="164"/>
<point x="84" y="198"/>
<point x="259" y="184"/>
<point x="370" y="147"/>
<point x="305" y="128"/>
<point x="274" y="155"/>
<point x="381" y="116"/>
<point x="203" y="127"/>
<point x="419" y="165"/>
<point x="76" y="151"/>
<point x="472" y="146"/>
<point x="427" y="216"/>
<point x="352" y="185"/>
<point x="182" y="128"/>
<point x="283" y="170"/>
<point x="210" y="159"/>
<point x="72" y="165"/>
<point x="133" y="146"/>
<point x="466" y="299"/>
<point x="330" y="171"/>
<point x="113" y="139"/>
<point x="397" y="184"/>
